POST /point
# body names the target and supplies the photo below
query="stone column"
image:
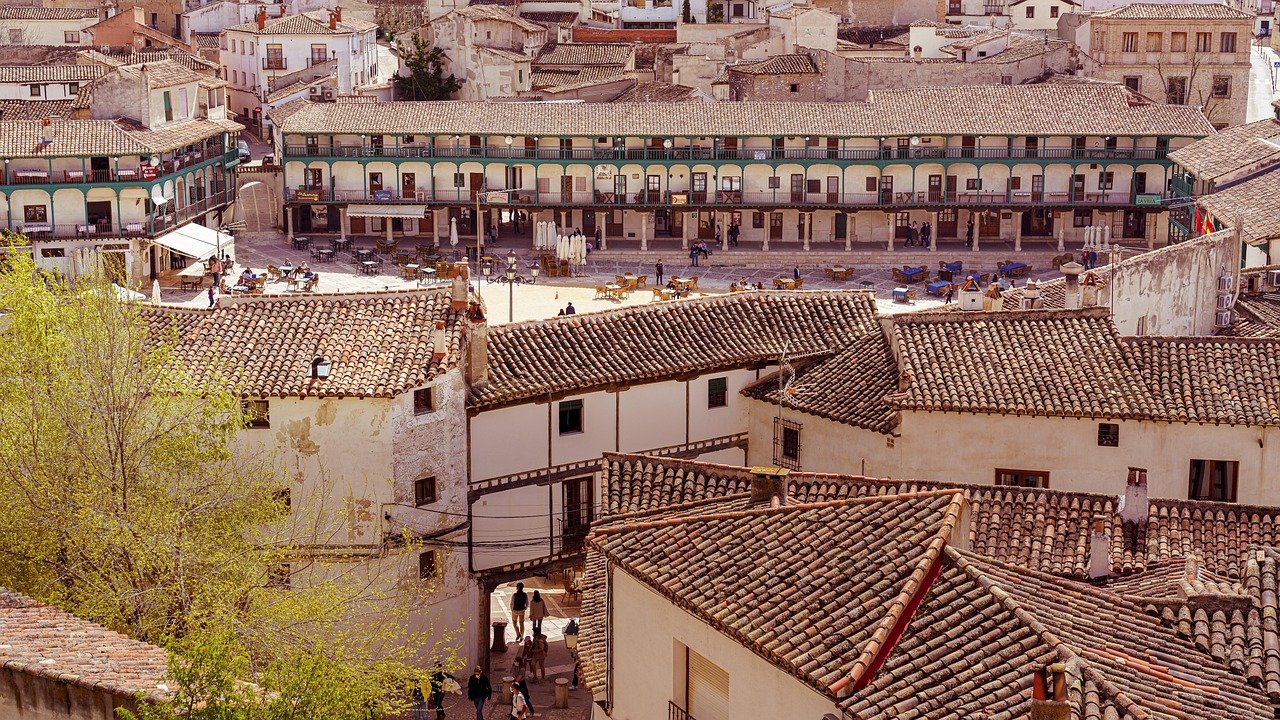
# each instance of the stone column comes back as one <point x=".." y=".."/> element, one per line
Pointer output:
<point x="848" y="231"/>
<point x="387" y="220"/>
<point x="765" y="246"/>
<point x="288" y="221"/>
<point x="808" y="231"/>
<point x="724" y="231"/>
<point x="644" y="230"/>
<point x="432" y="223"/>
<point x="684" y="231"/>
<point x="1017" y="231"/>
<point x="933" y="232"/>
<point x="977" y="229"/>
<point x="342" y="223"/>
<point x="604" y="230"/>
<point x="889" y="225"/>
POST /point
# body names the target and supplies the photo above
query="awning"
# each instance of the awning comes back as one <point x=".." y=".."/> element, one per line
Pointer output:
<point x="390" y="211"/>
<point x="197" y="241"/>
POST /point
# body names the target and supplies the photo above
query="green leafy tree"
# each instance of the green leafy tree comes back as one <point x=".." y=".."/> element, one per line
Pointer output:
<point x="715" y="13"/>
<point x="426" y="79"/>
<point x="686" y="14"/>
<point x="126" y="500"/>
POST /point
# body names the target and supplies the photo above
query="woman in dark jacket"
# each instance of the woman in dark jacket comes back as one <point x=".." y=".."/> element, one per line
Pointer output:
<point x="479" y="690"/>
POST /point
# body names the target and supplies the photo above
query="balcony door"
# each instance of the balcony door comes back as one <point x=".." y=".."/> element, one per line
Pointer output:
<point x="698" y="187"/>
<point x="576" y="511"/>
<point x="408" y="185"/>
<point x="935" y="188"/>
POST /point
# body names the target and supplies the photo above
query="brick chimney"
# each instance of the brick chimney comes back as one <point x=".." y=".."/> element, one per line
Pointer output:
<point x="1089" y="290"/>
<point x="477" y="370"/>
<point x="262" y="17"/>
<point x="439" y="343"/>
<point x="333" y="21"/>
<point x="769" y="485"/>
<point x="458" y="289"/>
<point x="1071" y="271"/>
<point x="1049" y="693"/>
<point x="1099" y="549"/>
<point x="1135" y="506"/>
<point x="337" y="13"/>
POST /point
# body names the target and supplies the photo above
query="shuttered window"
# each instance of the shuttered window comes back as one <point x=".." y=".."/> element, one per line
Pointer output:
<point x="708" y="688"/>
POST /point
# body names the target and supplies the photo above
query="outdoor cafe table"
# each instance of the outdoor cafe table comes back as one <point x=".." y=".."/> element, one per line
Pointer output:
<point x="369" y="266"/>
<point x="427" y="275"/>
<point x="340" y="243"/>
<point x="839" y="272"/>
<point x="300" y="242"/>
<point x="901" y="294"/>
<point x="937" y="288"/>
<point x="286" y="270"/>
<point x="364" y="254"/>
<point x="616" y="290"/>
<point x="325" y="254"/>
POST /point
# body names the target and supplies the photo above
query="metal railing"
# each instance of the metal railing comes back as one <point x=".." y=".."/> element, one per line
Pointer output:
<point x="275" y="63"/>
<point x="710" y="154"/>
<point x="744" y="199"/>
<point x="124" y="174"/>
<point x="675" y="712"/>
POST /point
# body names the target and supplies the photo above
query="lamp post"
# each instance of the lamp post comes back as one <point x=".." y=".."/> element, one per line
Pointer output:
<point x="511" y="293"/>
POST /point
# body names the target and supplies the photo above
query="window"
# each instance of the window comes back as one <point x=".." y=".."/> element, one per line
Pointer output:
<point x="786" y="443"/>
<point x="570" y="417"/>
<point x="871" y="184"/>
<point x="73" y="88"/>
<point x="168" y="107"/>
<point x="459" y="180"/>
<point x="423" y="401"/>
<point x="717" y="392"/>
<point x="794" y="88"/>
<point x="1031" y="11"/>
<point x="1176" y="91"/>
<point x="257" y="413"/>
<point x="1227" y="42"/>
<point x="1178" y="42"/>
<point x="1015" y="183"/>
<point x="1022" y="478"/>
<point x="1130" y="43"/>
<point x="35" y="213"/>
<point x="1204" y="42"/>
<point x="775" y="182"/>
<point x="973" y="184"/>
<point x="1108" y="435"/>
<point x="1133" y="82"/>
<point x="1083" y="218"/>
<point x="319" y="53"/>
<point x="1105" y="179"/>
<point x="71" y="38"/>
<point x="1006" y="79"/>
<point x="34" y="90"/>
<point x="1221" y="86"/>
<point x="252" y="45"/>
<point x="424" y="491"/>
<point x="274" y="59"/>
<point x="278" y="576"/>
<point x="427" y="564"/>
<point x="1053" y="11"/>
<point x="757" y="220"/>
<point x="1213" y="480"/>
<point x="1155" y="42"/>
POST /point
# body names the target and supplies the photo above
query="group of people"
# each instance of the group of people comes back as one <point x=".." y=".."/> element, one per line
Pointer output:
<point x="1089" y="259"/>
<point x="567" y="310"/>
<point x="919" y="234"/>
<point x="698" y="250"/>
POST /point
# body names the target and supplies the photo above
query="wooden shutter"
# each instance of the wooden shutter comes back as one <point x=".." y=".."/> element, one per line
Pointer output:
<point x="708" y="689"/>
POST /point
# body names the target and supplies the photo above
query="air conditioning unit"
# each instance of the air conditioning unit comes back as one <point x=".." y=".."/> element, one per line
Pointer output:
<point x="328" y="93"/>
<point x="1222" y="319"/>
<point x="1273" y="278"/>
<point x="314" y="91"/>
<point x="1225" y="301"/>
<point x="1226" y="282"/>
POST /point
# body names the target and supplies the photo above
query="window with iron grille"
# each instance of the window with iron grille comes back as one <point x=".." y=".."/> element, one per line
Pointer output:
<point x="257" y="413"/>
<point x="1108" y="435"/>
<point x="427" y="564"/>
<point x="1022" y="478"/>
<point x="786" y="443"/>
<point x="424" y="491"/>
<point x="717" y="392"/>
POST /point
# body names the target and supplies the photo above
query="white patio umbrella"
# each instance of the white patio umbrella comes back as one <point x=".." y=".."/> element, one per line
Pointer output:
<point x="127" y="295"/>
<point x="155" y="291"/>
<point x="453" y="232"/>
<point x="581" y="249"/>
<point x="1061" y="239"/>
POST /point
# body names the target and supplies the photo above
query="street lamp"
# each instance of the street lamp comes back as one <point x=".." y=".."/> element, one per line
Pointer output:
<point x="511" y="289"/>
<point x="511" y="260"/>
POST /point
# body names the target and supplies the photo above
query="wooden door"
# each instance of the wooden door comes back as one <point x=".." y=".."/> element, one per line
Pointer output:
<point x="775" y="226"/>
<point x="833" y="189"/>
<point x="566" y="188"/>
<point x="474" y="141"/>
<point x="375" y="182"/>
<point x="408" y="186"/>
<point x="989" y="224"/>
<point x="653" y="188"/>
<point x="935" y="188"/>
<point x="886" y="189"/>
<point x="833" y="148"/>
<point x="1077" y="188"/>
<point x="902" y="225"/>
<point x="952" y="183"/>
<point x="1037" y="188"/>
<point x="948" y="224"/>
<point x="968" y="146"/>
<point x="1033" y="146"/>
<point x="797" y="188"/>
<point x="698" y="187"/>
<point x="476" y="183"/>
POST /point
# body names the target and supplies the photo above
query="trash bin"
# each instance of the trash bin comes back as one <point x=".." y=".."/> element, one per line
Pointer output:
<point x="562" y="693"/>
<point x="506" y="689"/>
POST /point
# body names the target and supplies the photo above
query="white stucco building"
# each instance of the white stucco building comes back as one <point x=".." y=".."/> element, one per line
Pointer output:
<point x="57" y="26"/>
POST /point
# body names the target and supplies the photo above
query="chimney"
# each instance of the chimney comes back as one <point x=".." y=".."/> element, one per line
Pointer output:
<point x="337" y="13"/>
<point x="1089" y="290"/>
<point x="970" y="295"/>
<point x="1031" y="296"/>
<point x="438" y="341"/>
<point x="333" y="21"/>
<point x="477" y="346"/>
<point x="769" y="485"/>
<point x="1072" y="272"/>
<point x="46" y="131"/>
<point x="262" y="17"/>
<point x="1049" y="693"/>
<point x="1099" y="549"/>
<point x="1135" y="507"/>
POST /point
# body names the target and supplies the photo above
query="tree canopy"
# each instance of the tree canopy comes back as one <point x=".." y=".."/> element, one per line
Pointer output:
<point x="426" y="79"/>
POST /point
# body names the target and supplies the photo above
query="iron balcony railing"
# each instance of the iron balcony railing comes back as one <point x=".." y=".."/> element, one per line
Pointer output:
<point x="675" y="712"/>
<point x="748" y="154"/>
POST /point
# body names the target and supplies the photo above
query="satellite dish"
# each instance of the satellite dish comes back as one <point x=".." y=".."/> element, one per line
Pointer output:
<point x="153" y="161"/>
<point x="157" y="196"/>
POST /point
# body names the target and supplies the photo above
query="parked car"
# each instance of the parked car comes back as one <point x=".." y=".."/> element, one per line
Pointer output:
<point x="243" y="147"/>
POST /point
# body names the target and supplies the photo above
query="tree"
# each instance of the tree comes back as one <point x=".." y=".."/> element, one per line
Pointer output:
<point x="426" y="79"/>
<point x="686" y="13"/>
<point x="715" y="13"/>
<point x="127" y="501"/>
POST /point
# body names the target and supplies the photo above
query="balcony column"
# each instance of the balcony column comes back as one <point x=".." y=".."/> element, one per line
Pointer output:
<point x="724" y="231"/>
<point x="644" y="230"/>
<point x="604" y="231"/>
<point x="848" y="231"/>
<point x="288" y="222"/>
<point x="689" y="219"/>
<point x="1017" y="231"/>
<point x="342" y="223"/>
<point x="808" y="231"/>
<point x="889" y="224"/>
<point x="977" y="229"/>
<point x="933" y="231"/>
<point x="767" y="229"/>
<point x="432" y="224"/>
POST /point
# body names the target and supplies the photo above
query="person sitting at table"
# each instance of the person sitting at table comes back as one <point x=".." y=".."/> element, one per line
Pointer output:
<point x="671" y="284"/>
<point x="248" y="276"/>
<point x="733" y="286"/>
<point x="304" y="271"/>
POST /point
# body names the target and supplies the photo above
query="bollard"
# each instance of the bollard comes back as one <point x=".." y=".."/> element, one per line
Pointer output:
<point x="506" y="689"/>
<point x="499" y="637"/>
<point x="562" y="693"/>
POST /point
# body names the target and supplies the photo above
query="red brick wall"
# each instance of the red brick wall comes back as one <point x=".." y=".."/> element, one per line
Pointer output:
<point x="646" y="35"/>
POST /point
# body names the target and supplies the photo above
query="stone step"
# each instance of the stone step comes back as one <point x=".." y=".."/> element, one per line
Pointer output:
<point x="815" y="258"/>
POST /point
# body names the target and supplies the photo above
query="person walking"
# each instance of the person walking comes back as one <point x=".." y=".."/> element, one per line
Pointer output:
<point x="520" y="708"/>
<point x="968" y="233"/>
<point x="210" y="296"/>
<point x="718" y="236"/>
<point x="520" y="600"/>
<point x="657" y="271"/>
<point x="437" y="690"/>
<point x="693" y="256"/>
<point x="540" y="650"/>
<point x="734" y="232"/>
<point x="479" y="690"/>
<point x="523" y="685"/>
<point x="951" y="293"/>
<point x="215" y="267"/>
<point x="926" y="232"/>
<point x="913" y="233"/>
<point x="537" y="612"/>
<point x="795" y="273"/>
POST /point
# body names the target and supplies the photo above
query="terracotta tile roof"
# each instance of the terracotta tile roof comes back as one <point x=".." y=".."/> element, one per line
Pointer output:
<point x="207" y="41"/>
<point x="1213" y="379"/>
<point x="1174" y="11"/>
<point x="17" y="12"/>
<point x="160" y="73"/>
<point x="586" y="54"/>
<point x="41" y="640"/>
<point x="75" y="138"/>
<point x="493" y="12"/>
<point x="1231" y="149"/>
<point x="1250" y="202"/>
<point x="555" y="78"/>
<point x="380" y="344"/>
<point x="49" y="73"/>
<point x="1022" y="47"/>
<point x="35" y="109"/>
<point x="1044" y="109"/>
<point x="507" y="54"/>
<point x="115" y="58"/>
<point x="1046" y="530"/>
<point x="699" y="564"/>
<point x="1257" y="316"/>
<point x="630" y="346"/>
<point x="778" y="65"/>
<point x="315" y="22"/>
<point x="975" y="40"/>
<point x="870" y="35"/>
<point x="551" y="17"/>
<point x="1118" y="662"/>
<point x="662" y="92"/>
<point x="849" y="387"/>
<point x="1064" y="363"/>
